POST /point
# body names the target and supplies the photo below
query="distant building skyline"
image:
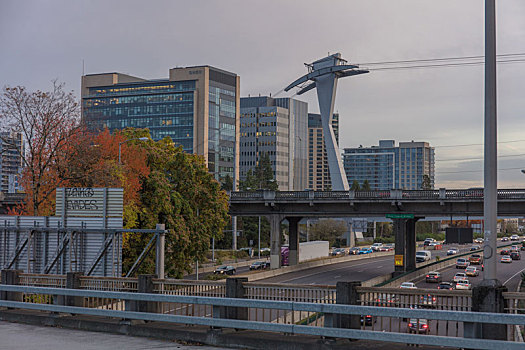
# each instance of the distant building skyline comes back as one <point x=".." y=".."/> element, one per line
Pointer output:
<point x="277" y="127"/>
<point x="198" y="107"/>
<point x="10" y="161"/>
<point x="388" y="166"/>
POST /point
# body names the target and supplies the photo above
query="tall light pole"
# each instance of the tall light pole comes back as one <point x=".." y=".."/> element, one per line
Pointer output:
<point x="120" y="146"/>
<point x="490" y="201"/>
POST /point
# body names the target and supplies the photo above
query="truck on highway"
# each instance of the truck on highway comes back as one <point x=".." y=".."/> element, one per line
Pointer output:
<point x="307" y="251"/>
<point x="423" y="255"/>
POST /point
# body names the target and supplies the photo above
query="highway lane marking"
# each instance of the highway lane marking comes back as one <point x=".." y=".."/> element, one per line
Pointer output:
<point x="338" y="276"/>
<point x="324" y="272"/>
<point x="379" y="267"/>
<point x="504" y="283"/>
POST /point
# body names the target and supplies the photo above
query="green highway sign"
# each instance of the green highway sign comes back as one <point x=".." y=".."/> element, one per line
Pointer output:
<point x="399" y="216"/>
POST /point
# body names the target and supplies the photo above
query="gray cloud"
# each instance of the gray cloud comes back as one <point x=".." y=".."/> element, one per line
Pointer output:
<point x="266" y="44"/>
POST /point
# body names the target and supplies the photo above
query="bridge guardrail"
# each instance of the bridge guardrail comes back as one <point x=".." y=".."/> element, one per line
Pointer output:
<point x="214" y="312"/>
<point x="439" y="194"/>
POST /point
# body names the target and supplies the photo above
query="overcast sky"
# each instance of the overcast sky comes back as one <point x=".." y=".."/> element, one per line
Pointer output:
<point x="267" y="42"/>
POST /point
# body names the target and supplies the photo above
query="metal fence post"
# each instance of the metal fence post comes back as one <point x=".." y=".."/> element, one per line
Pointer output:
<point x="73" y="282"/>
<point x="346" y="294"/>
<point x="145" y="285"/>
<point x="235" y="289"/>
<point x="159" y="261"/>
<point x="487" y="299"/>
<point x="11" y="277"/>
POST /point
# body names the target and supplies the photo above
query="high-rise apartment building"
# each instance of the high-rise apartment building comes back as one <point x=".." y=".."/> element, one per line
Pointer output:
<point x="387" y="166"/>
<point x="198" y="107"/>
<point x="318" y="171"/>
<point x="277" y="127"/>
<point x="11" y="146"/>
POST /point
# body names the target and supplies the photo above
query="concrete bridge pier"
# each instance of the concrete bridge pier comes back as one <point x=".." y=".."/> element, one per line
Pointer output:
<point x="293" y="238"/>
<point x="405" y="239"/>
<point x="275" y="240"/>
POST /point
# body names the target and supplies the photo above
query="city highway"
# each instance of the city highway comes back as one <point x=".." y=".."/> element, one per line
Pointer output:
<point x="508" y="274"/>
<point x="360" y="270"/>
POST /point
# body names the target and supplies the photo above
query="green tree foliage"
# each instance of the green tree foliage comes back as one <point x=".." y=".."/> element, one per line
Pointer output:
<point x="426" y="185"/>
<point x="259" y="178"/>
<point x="181" y="193"/>
<point x="327" y="230"/>
<point x="355" y="186"/>
<point x="365" y="186"/>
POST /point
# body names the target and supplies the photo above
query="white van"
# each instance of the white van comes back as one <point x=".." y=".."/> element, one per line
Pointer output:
<point x="423" y="255"/>
<point x="375" y="247"/>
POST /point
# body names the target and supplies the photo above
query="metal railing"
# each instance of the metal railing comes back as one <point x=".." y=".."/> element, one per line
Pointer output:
<point x="296" y="292"/>
<point x="117" y="284"/>
<point x="187" y="287"/>
<point x="214" y="312"/>
<point x="38" y="280"/>
<point x="440" y="194"/>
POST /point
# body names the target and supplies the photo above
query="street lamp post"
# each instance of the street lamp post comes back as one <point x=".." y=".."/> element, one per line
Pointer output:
<point x="490" y="201"/>
<point x="120" y="146"/>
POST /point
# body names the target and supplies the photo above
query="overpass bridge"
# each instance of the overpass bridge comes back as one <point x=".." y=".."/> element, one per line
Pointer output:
<point x="404" y="207"/>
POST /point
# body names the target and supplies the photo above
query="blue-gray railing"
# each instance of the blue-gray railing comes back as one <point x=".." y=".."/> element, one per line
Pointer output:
<point x="440" y="194"/>
<point x="330" y="327"/>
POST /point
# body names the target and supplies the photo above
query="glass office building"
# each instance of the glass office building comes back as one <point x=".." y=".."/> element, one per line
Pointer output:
<point x="389" y="167"/>
<point x="277" y="127"/>
<point x="197" y="107"/>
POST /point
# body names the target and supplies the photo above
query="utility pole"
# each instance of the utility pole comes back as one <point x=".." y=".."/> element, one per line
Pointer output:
<point x="490" y="201"/>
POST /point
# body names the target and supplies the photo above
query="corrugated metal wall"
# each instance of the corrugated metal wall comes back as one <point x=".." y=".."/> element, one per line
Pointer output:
<point x="44" y="245"/>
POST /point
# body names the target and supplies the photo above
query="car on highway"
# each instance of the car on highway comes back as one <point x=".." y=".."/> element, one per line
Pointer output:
<point x="515" y="255"/>
<point x="522" y="245"/>
<point x="514" y="248"/>
<point x="506" y="259"/>
<point x="428" y="301"/>
<point x="472" y="271"/>
<point x="225" y="270"/>
<point x="505" y="251"/>
<point x="463" y="285"/>
<point x="428" y="241"/>
<point x="418" y="326"/>
<point x="446" y="286"/>
<point x="475" y="259"/>
<point x="475" y="247"/>
<point x="265" y="250"/>
<point x="387" y="248"/>
<point x="514" y="238"/>
<point x="375" y="247"/>
<point x="433" y="277"/>
<point x="353" y="251"/>
<point x="479" y="240"/>
<point x="408" y="285"/>
<point x="386" y="299"/>
<point x="459" y="276"/>
<point x="462" y="263"/>
<point x="505" y="239"/>
<point x="258" y="265"/>
<point x="338" y="252"/>
<point x="452" y="251"/>
<point x="368" y="320"/>
<point x="365" y="250"/>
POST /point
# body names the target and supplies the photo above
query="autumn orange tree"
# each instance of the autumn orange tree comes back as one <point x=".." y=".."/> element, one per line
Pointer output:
<point x="47" y="121"/>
